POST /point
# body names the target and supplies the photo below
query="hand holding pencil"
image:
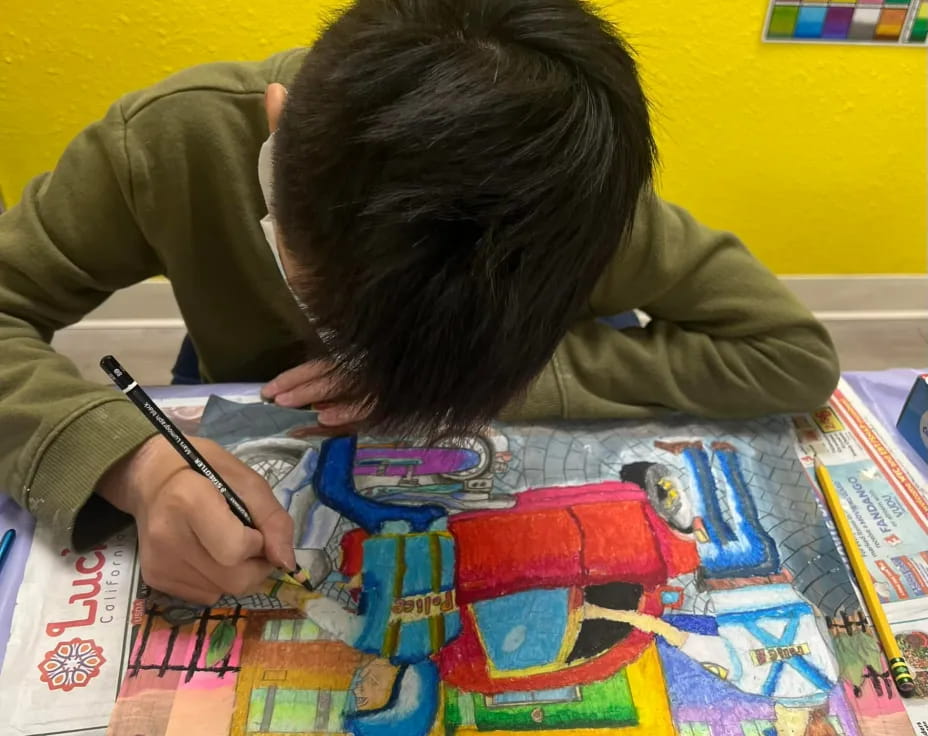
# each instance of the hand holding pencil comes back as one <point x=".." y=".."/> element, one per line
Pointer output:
<point x="198" y="538"/>
<point x="190" y="544"/>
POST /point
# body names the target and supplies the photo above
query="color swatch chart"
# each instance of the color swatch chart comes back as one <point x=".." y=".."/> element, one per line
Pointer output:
<point x="901" y="22"/>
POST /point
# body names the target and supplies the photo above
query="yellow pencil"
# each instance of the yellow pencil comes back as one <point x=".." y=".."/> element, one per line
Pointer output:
<point x="897" y="664"/>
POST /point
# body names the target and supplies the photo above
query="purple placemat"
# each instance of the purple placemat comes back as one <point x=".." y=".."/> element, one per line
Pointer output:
<point x="12" y="516"/>
<point x="884" y="393"/>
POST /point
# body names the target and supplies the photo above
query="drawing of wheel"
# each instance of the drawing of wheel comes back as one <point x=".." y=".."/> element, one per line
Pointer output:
<point x="271" y="458"/>
<point x="665" y="493"/>
<point x="474" y="443"/>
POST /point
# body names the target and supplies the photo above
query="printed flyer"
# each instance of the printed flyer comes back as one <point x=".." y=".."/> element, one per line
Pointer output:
<point x="882" y="493"/>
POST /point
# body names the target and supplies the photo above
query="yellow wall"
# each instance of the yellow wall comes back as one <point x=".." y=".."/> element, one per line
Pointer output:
<point x="815" y="155"/>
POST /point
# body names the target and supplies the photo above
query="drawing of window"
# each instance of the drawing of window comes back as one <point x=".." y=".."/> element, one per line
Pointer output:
<point x="694" y="728"/>
<point x="161" y="647"/>
<point x="561" y="695"/>
<point x="293" y="630"/>
<point x="278" y="710"/>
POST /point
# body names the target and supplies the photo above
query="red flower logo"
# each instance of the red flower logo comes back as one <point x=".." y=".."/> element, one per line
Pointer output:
<point x="71" y="664"/>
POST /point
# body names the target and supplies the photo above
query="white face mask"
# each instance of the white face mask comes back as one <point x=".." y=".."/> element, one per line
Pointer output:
<point x="268" y="225"/>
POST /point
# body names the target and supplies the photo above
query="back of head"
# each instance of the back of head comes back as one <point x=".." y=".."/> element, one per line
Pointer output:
<point x="451" y="178"/>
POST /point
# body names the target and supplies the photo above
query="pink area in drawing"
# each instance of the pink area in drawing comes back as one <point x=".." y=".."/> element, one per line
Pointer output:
<point x="71" y="664"/>
<point x="176" y="655"/>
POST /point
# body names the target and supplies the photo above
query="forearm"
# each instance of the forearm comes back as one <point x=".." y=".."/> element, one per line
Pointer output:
<point x="60" y="435"/>
<point x="666" y="367"/>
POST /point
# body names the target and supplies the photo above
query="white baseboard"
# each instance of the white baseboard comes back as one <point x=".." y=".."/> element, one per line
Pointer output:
<point x="151" y="305"/>
<point x="863" y="298"/>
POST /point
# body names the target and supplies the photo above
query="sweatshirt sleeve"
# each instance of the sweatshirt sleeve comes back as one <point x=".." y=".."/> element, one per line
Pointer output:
<point x="726" y="338"/>
<point x="70" y="242"/>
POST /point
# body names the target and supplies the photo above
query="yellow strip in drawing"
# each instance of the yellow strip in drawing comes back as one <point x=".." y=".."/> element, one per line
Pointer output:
<point x="649" y="692"/>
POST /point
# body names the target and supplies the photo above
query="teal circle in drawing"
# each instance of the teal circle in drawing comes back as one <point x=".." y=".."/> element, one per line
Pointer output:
<point x="923" y="429"/>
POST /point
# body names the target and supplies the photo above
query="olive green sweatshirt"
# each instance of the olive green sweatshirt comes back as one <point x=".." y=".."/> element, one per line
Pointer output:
<point x="166" y="183"/>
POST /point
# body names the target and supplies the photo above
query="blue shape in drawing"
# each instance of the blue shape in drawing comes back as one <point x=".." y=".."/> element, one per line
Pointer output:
<point x="705" y="625"/>
<point x="334" y="485"/>
<point x="745" y="550"/>
<point x="415" y="641"/>
<point x="307" y="470"/>
<point x="792" y="615"/>
<point x="670" y="598"/>
<point x="707" y="501"/>
<point x="380" y="561"/>
<point x="417" y="578"/>
<point x="417" y="556"/>
<point x="524" y="629"/>
<point x="411" y="710"/>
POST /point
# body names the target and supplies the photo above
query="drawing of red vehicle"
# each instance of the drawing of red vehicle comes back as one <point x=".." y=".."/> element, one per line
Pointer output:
<point x="525" y="575"/>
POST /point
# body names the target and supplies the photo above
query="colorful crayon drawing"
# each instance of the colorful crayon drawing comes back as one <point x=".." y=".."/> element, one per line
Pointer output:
<point x="563" y="580"/>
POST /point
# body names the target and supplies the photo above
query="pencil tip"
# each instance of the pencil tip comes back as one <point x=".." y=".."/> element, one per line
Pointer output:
<point x="302" y="577"/>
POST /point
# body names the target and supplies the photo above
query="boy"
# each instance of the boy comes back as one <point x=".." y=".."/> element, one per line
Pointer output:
<point x="455" y="194"/>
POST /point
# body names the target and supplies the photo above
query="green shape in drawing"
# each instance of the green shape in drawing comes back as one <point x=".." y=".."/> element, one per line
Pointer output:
<point x="280" y="710"/>
<point x="220" y="642"/>
<point x="855" y="653"/>
<point x="256" y="710"/>
<point x="286" y="630"/>
<point x="599" y="704"/>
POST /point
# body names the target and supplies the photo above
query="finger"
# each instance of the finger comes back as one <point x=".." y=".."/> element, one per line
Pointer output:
<point x="194" y="594"/>
<point x="237" y="580"/>
<point x="340" y="415"/>
<point x="323" y="389"/>
<point x="227" y="540"/>
<point x="270" y="518"/>
<point x="303" y="373"/>
<point x="203" y="580"/>
<point x="205" y="574"/>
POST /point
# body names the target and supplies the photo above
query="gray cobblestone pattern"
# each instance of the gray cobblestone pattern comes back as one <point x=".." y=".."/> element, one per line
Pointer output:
<point x="573" y="454"/>
<point x="256" y="602"/>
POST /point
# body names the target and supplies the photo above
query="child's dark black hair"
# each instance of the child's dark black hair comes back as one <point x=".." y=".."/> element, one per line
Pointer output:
<point x="452" y="177"/>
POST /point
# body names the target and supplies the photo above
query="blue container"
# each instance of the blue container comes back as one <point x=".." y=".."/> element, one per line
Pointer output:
<point x="913" y="422"/>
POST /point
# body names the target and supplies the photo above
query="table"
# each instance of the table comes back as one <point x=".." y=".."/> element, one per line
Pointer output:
<point x="883" y="391"/>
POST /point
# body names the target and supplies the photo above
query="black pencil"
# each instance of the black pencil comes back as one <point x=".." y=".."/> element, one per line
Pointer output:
<point x="136" y="394"/>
